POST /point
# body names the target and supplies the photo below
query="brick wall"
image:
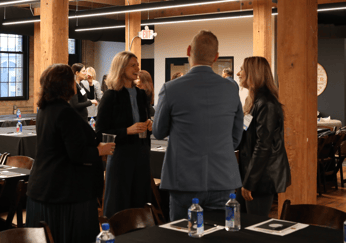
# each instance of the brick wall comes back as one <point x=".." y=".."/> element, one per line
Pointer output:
<point x="88" y="48"/>
<point x="6" y="107"/>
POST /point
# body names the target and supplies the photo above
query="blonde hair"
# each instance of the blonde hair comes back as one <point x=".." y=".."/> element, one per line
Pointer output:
<point x="115" y="78"/>
<point x="258" y="74"/>
<point x="92" y="71"/>
<point x="147" y="82"/>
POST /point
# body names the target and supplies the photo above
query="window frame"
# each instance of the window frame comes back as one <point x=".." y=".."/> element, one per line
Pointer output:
<point x="25" y="85"/>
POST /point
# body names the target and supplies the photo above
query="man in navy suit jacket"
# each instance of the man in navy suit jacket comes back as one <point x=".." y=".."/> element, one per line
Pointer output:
<point x="227" y="74"/>
<point x="202" y="114"/>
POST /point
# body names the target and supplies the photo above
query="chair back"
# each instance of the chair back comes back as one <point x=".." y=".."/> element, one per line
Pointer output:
<point x="19" y="161"/>
<point x="313" y="214"/>
<point x="156" y="208"/>
<point x="27" y="235"/>
<point x="131" y="219"/>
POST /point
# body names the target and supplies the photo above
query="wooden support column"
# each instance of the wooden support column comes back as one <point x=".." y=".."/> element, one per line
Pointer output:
<point x="37" y="59"/>
<point x="262" y="29"/>
<point x="133" y="26"/>
<point x="54" y="32"/>
<point x="297" y="77"/>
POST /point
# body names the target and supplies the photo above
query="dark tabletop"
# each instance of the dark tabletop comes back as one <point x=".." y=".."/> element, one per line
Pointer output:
<point x="311" y="234"/>
<point x="18" y="144"/>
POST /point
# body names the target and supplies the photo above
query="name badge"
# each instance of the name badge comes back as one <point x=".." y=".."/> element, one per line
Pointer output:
<point x="82" y="91"/>
<point x="247" y="121"/>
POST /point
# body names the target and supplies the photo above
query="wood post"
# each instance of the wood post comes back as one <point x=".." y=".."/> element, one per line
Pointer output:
<point x="133" y="26"/>
<point x="37" y="60"/>
<point x="262" y="29"/>
<point x="297" y="77"/>
<point x="54" y="32"/>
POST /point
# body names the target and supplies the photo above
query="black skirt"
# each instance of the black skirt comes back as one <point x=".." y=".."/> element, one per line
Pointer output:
<point x="70" y="222"/>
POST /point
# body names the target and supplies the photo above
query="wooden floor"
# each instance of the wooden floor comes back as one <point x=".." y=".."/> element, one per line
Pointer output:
<point x="333" y="198"/>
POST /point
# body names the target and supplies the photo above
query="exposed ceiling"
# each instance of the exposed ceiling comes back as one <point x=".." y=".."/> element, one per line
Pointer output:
<point x="334" y="18"/>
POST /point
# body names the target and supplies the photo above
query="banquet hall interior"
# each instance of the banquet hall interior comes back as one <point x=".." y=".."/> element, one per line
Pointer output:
<point x="304" y="42"/>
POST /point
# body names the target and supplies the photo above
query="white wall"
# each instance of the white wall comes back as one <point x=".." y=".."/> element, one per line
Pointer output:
<point x="104" y="53"/>
<point x="234" y="35"/>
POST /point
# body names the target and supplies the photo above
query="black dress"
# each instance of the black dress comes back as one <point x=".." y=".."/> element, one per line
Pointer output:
<point x="128" y="170"/>
<point x="67" y="176"/>
<point x="80" y="101"/>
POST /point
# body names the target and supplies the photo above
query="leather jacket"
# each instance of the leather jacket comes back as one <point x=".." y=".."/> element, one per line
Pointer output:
<point x="263" y="160"/>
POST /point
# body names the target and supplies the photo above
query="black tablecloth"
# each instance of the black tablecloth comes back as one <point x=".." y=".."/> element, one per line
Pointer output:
<point x="11" y="120"/>
<point x="18" y="144"/>
<point x="10" y="187"/>
<point x="311" y="234"/>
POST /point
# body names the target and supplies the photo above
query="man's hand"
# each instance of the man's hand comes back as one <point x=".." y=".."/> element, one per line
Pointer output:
<point x="246" y="194"/>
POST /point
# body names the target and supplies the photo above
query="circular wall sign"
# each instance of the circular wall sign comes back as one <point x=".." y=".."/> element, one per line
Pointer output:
<point x="322" y="79"/>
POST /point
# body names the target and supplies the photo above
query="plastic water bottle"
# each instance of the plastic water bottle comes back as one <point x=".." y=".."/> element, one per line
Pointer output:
<point x="344" y="231"/>
<point x="19" y="127"/>
<point x="195" y="217"/>
<point x="105" y="236"/>
<point x="92" y="122"/>
<point x="19" y="114"/>
<point x="232" y="214"/>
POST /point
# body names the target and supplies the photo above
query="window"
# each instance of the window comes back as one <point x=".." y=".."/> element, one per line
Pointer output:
<point x="71" y="46"/>
<point x="13" y="67"/>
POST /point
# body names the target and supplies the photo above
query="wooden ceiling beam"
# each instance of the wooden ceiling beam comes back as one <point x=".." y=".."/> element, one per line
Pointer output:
<point x="331" y="1"/>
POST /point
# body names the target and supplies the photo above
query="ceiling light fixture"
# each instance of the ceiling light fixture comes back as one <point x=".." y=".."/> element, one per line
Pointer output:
<point x="11" y="3"/>
<point x="177" y="20"/>
<point x="143" y="7"/>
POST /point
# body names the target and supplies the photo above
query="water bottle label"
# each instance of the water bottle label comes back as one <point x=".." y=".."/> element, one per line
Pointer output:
<point x="20" y="116"/>
<point x="230" y="216"/>
<point x="17" y="129"/>
<point x="21" y="127"/>
<point x="105" y="241"/>
<point x="200" y="225"/>
<point x="344" y="232"/>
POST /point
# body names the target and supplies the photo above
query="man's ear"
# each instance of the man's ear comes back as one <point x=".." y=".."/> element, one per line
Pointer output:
<point x="189" y="51"/>
<point x="216" y="57"/>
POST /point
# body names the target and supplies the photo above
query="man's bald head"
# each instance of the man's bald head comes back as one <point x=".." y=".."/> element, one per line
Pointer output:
<point x="204" y="48"/>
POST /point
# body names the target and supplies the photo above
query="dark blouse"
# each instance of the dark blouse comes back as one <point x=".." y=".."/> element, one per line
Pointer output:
<point x="80" y="102"/>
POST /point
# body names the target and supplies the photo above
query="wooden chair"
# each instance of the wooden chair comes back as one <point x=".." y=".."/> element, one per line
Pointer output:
<point x="32" y="122"/>
<point x="2" y="186"/>
<point x="130" y="219"/>
<point x="340" y="155"/>
<point x="27" y="235"/>
<point x="313" y="214"/>
<point x="156" y="208"/>
<point x="325" y="160"/>
<point x="19" y="161"/>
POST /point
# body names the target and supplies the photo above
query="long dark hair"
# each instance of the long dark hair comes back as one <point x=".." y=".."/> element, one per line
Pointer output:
<point x="57" y="82"/>
<point x="77" y="67"/>
<point x="147" y="82"/>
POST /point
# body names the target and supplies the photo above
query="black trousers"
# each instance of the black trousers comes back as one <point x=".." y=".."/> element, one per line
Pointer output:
<point x="260" y="205"/>
<point x="128" y="178"/>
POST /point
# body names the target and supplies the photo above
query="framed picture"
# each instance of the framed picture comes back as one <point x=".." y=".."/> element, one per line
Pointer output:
<point x="322" y="79"/>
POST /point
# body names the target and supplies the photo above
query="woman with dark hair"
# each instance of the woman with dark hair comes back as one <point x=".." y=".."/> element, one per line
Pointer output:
<point x="124" y="111"/>
<point x="145" y="82"/>
<point x="80" y="100"/>
<point x="67" y="176"/>
<point x="104" y="85"/>
<point x="262" y="156"/>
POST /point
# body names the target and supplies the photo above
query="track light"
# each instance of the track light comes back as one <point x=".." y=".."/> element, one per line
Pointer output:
<point x="13" y="2"/>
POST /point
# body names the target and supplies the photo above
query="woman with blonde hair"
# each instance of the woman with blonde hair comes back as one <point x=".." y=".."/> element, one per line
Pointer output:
<point x="124" y="111"/>
<point x="91" y="82"/>
<point x="262" y="159"/>
<point x="145" y="82"/>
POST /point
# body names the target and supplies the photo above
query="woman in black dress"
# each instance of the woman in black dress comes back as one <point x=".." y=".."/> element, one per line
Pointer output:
<point x="262" y="156"/>
<point x="67" y="176"/>
<point x="124" y="111"/>
<point x="80" y="100"/>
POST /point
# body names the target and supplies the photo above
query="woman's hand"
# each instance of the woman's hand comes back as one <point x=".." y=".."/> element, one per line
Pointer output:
<point x="150" y="125"/>
<point x="137" y="128"/>
<point x="106" y="148"/>
<point x="94" y="102"/>
<point x="246" y="194"/>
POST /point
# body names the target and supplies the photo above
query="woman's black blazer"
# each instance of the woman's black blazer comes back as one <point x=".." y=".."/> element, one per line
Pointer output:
<point x="114" y="115"/>
<point x="67" y="168"/>
<point x="263" y="160"/>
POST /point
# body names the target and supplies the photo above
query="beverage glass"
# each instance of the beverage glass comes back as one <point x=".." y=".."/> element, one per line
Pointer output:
<point x="108" y="138"/>
<point x="143" y="134"/>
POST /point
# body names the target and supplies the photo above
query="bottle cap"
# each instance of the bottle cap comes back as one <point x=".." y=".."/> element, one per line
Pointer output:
<point x="232" y="196"/>
<point x="195" y="201"/>
<point x="105" y="226"/>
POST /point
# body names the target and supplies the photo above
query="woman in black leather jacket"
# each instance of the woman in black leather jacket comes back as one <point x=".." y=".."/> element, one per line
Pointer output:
<point x="263" y="160"/>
